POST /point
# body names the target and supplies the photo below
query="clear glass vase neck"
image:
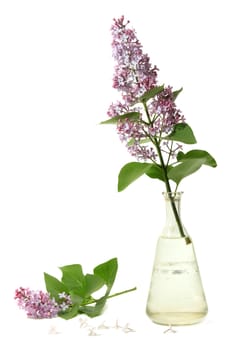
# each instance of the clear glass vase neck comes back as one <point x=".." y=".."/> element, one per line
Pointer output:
<point x="171" y="228"/>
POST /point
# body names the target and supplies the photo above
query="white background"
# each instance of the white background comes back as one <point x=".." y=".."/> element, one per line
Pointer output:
<point x="58" y="167"/>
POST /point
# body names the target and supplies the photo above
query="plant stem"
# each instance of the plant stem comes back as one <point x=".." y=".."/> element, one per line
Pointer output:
<point x="167" y="183"/>
<point x="169" y="192"/>
<point x="123" y="292"/>
<point x="110" y="296"/>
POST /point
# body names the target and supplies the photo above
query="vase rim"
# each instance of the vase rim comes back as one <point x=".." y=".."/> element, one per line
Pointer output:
<point x="172" y="192"/>
<point x="175" y="194"/>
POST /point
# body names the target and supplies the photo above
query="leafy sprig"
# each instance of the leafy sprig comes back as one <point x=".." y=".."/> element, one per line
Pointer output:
<point x="185" y="164"/>
<point x="81" y="288"/>
<point x="148" y="115"/>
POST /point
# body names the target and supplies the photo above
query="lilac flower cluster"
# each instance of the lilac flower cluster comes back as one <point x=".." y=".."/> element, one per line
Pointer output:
<point x="134" y="76"/>
<point x="165" y="111"/>
<point x="39" y="304"/>
<point x="131" y="130"/>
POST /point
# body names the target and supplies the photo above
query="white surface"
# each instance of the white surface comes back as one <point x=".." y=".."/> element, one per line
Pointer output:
<point x="58" y="333"/>
<point x="58" y="197"/>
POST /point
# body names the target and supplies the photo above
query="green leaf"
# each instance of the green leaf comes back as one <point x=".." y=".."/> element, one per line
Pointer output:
<point x="93" y="283"/>
<point x="72" y="276"/>
<point x="198" y="154"/>
<point x="96" y="310"/>
<point x="176" y="93"/>
<point x="54" y="286"/>
<point x="131" y="172"/>
<point x="183" y="133"/>
<point x="72" y="312"/>
<point x="141" y="142"/>
<point x="105" y="274"/>
<point x="107" y="271"/>
<point x="190" y="163"/>
<point x="182" y="170"/>
<point x="155" y="172"/>
<point x="151" y="93"/>
<point x="114" y="120"/>
<point x="75" y="298"/>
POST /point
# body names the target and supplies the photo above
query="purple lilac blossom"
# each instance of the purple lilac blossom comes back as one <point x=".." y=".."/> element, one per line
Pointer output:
<point x="132" y="132"/>
<point x="117" y="109"/>
<point x="133" y="76"/>
<point x="133" y="72"/>
<point x="39" y="304"/>
<point x="166" y="114"/>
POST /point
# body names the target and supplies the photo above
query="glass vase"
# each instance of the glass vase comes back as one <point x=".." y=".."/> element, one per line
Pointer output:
<point x="176" y="295"/>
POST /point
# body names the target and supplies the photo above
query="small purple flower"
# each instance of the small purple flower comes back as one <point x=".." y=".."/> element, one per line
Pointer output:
<point x="130" y="129"/>
<point x="142" y="153"/>
<point x="117" y="109"/>
<point x="39" y="304"/>
<point x="132" y="132"/>
<point x="167" y="148"/>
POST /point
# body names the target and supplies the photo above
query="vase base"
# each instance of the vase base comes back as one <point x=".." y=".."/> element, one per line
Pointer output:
<point x="177" y="318"/>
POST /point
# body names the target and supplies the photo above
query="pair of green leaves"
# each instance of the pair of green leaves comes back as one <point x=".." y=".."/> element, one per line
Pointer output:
<point x="187" y="163"/>
<point x="80" y="287"/>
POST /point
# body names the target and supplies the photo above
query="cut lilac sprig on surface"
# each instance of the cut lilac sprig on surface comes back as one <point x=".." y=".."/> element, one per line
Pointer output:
<point x="148" y="120"/>
<point x="73" y="294"/>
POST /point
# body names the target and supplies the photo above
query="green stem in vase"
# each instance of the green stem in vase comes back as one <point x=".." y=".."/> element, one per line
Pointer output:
<point x="167" y="183"/>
